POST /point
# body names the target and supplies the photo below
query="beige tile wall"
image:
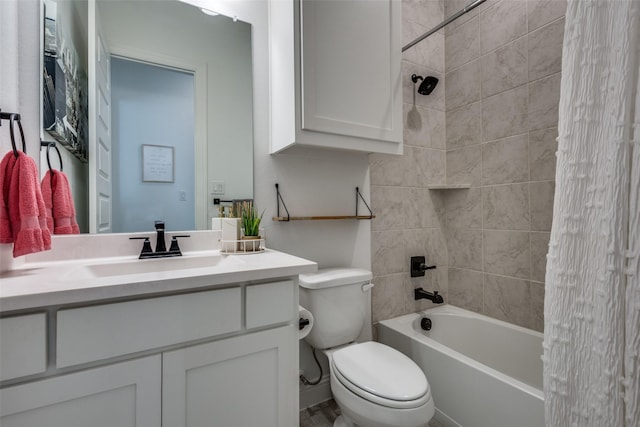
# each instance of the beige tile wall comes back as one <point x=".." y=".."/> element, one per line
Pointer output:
<point x="503" y="79"/>
<point x="494" y="127"/>
<point x="410" y="219"/>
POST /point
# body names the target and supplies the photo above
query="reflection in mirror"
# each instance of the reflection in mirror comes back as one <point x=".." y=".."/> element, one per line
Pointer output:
<point x="173" y="77"/>
<point x="140" y="94"/>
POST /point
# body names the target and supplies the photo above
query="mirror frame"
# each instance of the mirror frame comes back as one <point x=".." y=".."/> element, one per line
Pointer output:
<point x="236" y="10"/>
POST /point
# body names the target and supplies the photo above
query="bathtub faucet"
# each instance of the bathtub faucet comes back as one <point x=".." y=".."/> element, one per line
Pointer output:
<point x="420" y="293"/>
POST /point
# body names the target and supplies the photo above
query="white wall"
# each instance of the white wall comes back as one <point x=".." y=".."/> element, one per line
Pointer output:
<point x="19" y="79"/>
<point x="19" y="70"/>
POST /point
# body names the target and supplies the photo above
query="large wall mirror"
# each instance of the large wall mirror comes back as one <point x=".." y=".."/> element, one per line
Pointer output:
<point x="152" y="102"/>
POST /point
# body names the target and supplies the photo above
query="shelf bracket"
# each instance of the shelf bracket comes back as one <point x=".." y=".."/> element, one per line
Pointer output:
<point x="279" y="200"/>
<point x="359" y="196"/>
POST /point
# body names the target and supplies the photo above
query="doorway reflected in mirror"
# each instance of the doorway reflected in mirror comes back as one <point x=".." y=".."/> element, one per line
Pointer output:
<point x="151" y="106"/>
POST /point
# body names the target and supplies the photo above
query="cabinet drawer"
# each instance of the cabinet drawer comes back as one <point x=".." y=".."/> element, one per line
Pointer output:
<point x="23" y="345"/>
<point x="270" y="303"/>
<point x="100" y="332"/>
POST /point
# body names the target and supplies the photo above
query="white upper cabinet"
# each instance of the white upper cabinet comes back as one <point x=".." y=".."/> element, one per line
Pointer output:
<point x="335" y="74"/>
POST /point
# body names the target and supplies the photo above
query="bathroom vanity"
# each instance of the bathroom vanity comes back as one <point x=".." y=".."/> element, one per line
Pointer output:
<point x="203" y="339"/>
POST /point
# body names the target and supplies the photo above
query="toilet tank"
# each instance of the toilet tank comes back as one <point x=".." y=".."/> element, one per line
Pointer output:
<point x="338" y="299"/>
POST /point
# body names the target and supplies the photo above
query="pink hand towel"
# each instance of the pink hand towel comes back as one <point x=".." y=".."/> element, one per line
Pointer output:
<point x="6" y="169"/>
<point x="61" y="212"/>
<point x="26" y="209"/>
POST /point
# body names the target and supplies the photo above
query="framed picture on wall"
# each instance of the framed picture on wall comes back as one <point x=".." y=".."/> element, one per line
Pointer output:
<point x="65" y="103"/>
<point x="157" y="163"/>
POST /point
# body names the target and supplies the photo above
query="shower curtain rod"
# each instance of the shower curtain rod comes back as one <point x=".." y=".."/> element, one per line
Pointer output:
<point x="444" y="23"/>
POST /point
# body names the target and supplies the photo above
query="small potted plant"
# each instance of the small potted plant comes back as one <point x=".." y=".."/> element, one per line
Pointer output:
<point x="250" y="223"/>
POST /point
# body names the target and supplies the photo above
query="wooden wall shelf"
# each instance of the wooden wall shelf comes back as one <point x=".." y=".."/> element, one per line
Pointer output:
<point x="287" y="218"/>
<point x="321" y="218"/>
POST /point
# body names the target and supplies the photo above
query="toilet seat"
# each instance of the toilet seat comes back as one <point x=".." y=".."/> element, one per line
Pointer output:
<point x="381" y="375"/>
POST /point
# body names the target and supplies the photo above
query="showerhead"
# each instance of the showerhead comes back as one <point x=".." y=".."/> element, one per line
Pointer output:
<point x="428" y="83"/>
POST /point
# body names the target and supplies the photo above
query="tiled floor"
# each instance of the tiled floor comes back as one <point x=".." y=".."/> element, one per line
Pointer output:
<point x="323" y="415"/>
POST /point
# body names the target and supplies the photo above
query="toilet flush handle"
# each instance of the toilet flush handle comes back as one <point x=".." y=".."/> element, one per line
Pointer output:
<point x="367" y="286"/>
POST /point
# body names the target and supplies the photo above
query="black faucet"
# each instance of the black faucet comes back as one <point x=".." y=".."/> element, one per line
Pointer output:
<point x="418" y="266"/>
<point x="420" y="293"/>
<point x="161" y="248"/>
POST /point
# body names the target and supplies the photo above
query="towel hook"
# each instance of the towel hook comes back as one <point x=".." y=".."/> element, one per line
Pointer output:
<point x="49" y="145"/>
<point x="12" y="117"/>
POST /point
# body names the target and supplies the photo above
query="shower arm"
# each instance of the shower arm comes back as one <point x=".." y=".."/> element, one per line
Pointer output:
<point x="450" y="19"/>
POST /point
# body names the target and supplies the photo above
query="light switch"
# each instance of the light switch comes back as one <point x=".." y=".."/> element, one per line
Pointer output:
<point x="216" y="187"/>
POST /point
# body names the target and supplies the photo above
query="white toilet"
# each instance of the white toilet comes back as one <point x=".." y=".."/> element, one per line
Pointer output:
<point x="374" y="384"/>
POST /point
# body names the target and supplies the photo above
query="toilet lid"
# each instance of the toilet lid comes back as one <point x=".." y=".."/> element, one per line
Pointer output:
<point x="381" y="370"/>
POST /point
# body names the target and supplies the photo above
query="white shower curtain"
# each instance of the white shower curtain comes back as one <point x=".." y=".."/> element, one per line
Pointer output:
<point x="592" y="300"/>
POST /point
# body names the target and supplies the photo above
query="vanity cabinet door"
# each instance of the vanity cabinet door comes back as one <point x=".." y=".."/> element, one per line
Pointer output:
<point x="244" y="381"/>
<point x="124" y="394"/>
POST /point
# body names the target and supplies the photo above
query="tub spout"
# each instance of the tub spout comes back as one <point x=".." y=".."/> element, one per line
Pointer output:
<point x="420" y="293"/>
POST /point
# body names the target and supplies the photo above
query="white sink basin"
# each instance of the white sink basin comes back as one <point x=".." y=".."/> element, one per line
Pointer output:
<point x="154" y="265"/>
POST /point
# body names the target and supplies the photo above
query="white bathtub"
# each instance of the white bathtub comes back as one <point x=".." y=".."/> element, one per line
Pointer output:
<point x="482" y="372"/>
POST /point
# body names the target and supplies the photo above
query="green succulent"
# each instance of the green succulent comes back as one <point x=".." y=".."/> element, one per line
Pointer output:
<point x="250" y="219"/>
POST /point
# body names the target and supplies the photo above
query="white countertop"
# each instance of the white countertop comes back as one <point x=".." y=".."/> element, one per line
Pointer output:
<point x="40" y="284"/>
